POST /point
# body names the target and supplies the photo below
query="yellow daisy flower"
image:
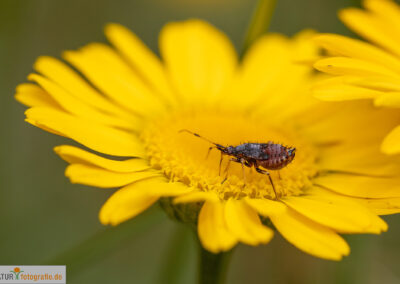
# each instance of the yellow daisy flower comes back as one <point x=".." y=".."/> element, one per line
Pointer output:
<point x="365" y="70"/>
<point x="128" y="103"/>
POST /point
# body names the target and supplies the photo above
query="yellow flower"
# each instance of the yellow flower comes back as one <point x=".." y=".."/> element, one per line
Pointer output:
<point x="131" y="104"/>
<point x="365" y="70"/>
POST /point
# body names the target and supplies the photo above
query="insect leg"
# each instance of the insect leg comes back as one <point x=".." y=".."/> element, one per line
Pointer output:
<point x="209" y="150"/>
<point x="243" y="173"/>
<point x="270" y="179"/>
<point x="226" y="170"/>
<point x="220" y="164"/>
<point x="237" y="160"/>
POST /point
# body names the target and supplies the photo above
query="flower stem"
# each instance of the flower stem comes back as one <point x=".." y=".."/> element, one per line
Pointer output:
<point x="213" y="267"/>
<point x="259" y="22"/>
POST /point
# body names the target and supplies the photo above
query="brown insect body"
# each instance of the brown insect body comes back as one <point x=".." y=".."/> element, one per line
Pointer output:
<point x="269" y="155"/>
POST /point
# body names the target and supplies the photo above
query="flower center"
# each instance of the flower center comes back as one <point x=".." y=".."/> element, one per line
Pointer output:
<point x="183" y="156"/>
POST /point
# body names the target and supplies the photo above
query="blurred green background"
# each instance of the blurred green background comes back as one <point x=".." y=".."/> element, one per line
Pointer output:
<point x="42" y="215"/>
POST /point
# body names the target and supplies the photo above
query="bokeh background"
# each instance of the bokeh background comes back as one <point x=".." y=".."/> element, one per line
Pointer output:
<point x="44" y="219"/>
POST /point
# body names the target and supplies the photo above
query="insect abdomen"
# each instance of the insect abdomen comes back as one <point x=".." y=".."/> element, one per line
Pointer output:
<point x="278" y="157"/>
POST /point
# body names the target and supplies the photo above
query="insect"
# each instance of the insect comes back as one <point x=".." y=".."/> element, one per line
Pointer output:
<point x="269" y="155"/>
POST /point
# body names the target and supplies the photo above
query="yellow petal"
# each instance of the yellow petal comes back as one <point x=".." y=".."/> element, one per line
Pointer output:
<point x="45" y="128"/>
<point x="370" y="27"/>
<point x="267" y="66"/>
<point x="94" y="176"/>
<point x="243" y="221"/>
<point x="106" y="70"/>
<point x="384" y="8"/>
<point x="334" y="121"/>
<point x="196" y="196"/>
<point x="389" y="99"/>
<point x="33" y="96"/>
<point x="378" y="83"/>
<point x="170" y="188"/>
<point x="212" y="230"/>
<point x="305" y="50"/>
<point x="76" y="107"/>
<point x="360" y="186"/>
<point x="387" y="11"/>
<point x="391" y="143"/>
<point x="200" y="59"/>
<point x="262" y="67"/>
<point x="75" y="155"/>
<point x="69" y="80"/>
<point x="376" y="224"/>
<point x="382" y="206"/>
<point x="141" y="58"/>
<point x="358" y="49"/>
<point x="353" y="67"/>
<point x="309" y="236"/>
<point x="274" y="61"/>
<point x="159" y="185"/>
<point x="129" y="201"/>
<point x="95" y="136"/>
<point x="266" y="207"/>
<point x="352" y="160"/>
<point x="334" y="211"/>
<point x="343" y="92"/>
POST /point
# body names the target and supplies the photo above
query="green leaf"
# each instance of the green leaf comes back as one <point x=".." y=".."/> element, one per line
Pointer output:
<point x="259" y="22"/>
<point x="107" y="241"/>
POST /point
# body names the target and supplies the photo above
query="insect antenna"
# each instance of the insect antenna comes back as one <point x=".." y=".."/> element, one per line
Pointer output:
<point x="219" y="146"/>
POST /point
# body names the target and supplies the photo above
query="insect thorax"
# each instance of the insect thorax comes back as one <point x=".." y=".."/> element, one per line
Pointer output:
<point x="252" y="150"/>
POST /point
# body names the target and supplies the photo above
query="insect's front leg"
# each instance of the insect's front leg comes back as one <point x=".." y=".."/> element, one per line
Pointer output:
<point x="270" y="179"/>
<point x="220" y="160"/>
<point x="220" y="163"/>
<point x="237" y="160"/>
<point x="209" y="150"/>
<point x="226" y="171"/>
<point x="243" y="162"/>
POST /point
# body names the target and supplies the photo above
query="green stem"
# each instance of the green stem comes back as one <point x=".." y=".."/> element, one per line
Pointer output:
<point x="179" y="258"/>
<point x="259" y="22"/>
<point x="213" y="267"/>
